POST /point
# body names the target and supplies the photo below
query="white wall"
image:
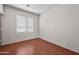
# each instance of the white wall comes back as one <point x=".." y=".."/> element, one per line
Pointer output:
<point x="60" y="25"/>
<point x="1" y="8"/>
<point x="9" y="34"/>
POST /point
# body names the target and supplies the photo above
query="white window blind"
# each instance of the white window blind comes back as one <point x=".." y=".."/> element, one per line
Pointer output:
<point x="24" y="24"/>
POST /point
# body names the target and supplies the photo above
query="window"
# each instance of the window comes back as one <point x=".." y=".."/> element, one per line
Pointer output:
<point x="24" y="24"/>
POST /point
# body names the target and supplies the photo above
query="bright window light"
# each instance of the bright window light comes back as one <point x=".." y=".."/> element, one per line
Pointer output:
<point x="24" y="24"/>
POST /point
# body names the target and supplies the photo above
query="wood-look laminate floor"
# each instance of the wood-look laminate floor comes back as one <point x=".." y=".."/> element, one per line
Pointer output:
<point x="36" y="46"/>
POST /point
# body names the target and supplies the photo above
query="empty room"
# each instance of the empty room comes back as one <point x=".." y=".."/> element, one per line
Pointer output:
<point x="39" y="29"/>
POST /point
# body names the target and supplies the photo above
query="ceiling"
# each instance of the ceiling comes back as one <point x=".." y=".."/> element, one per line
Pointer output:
<point x="35" y="8"/>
